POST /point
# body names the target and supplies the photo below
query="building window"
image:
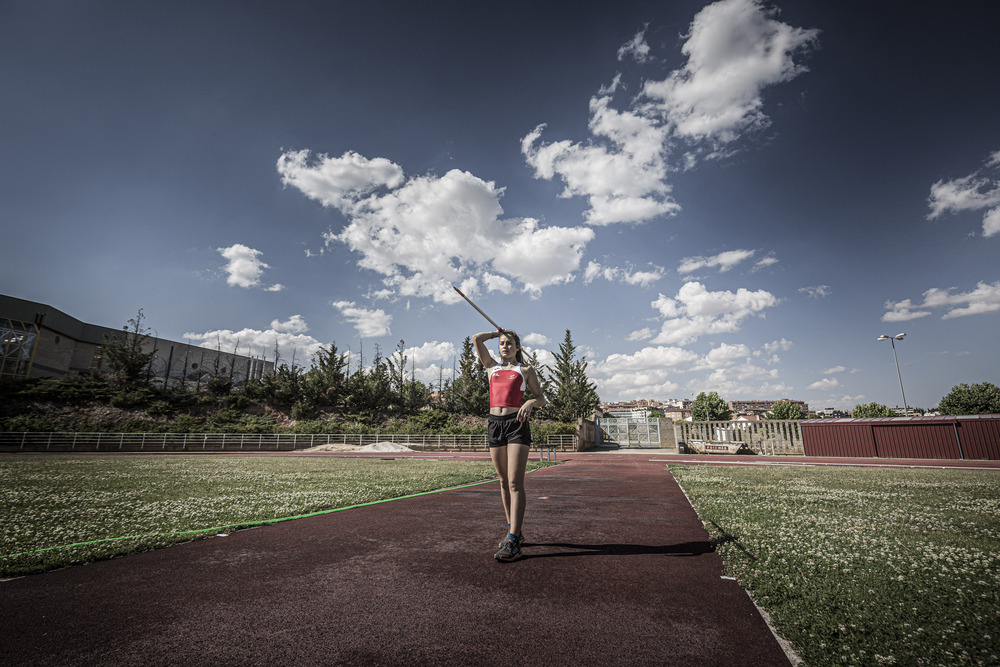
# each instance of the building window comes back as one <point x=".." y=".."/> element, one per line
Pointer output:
<point x="18" y="341"/>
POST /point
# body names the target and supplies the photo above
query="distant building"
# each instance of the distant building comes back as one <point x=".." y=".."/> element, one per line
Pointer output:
<point x="680" y="409"/>
<point x="37" y="341"/>
<point x="678" y="414"/>
<point x="639" y="409"/>
<point x="833" y="413"/>
<point x="762" y="407"/>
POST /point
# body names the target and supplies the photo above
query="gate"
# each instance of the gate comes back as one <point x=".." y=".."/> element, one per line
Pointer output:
<point x="628" y="433"/>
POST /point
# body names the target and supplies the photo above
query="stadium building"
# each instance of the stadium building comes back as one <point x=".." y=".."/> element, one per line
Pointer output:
<point x="38" y="341"/>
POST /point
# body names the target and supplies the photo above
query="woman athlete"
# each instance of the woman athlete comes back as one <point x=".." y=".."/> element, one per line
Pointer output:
<point x="509" y="433"/>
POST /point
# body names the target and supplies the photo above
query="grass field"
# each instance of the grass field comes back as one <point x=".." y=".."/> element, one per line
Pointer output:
<point x="64" y="510"/>
<point x="862" y="566"/>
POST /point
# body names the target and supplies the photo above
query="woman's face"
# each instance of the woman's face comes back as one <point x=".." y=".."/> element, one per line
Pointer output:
<point x="508" y="347"/>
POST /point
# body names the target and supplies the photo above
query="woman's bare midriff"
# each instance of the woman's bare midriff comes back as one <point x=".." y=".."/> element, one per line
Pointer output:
<point x="503" y="411"/>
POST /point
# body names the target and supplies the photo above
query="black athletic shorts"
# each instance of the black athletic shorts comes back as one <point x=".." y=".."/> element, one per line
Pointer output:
<point x="503" y="430"/>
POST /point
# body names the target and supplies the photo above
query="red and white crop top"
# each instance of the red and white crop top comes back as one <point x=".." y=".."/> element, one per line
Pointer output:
<point x="507" y="387"/>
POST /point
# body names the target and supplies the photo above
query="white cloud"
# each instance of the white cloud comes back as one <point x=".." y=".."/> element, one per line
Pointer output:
<point x="726" y="355"/>
<point x="294" y="324"/>
<point x="540" y="257"/>
<point x="724" y="260"/>
<point x="765" y="262"/>
<point x="970" y="193"/>
<point x="695" y="311"/>
<point x="825" y="384"/>
<point x="622" y="275"/>
<point x="647" y="372"/>
<point x="421" y="362"/>
<point x="641" y="334"/>
<point x="735" y="50"/>
<point x="495" y="283"/>
<point x="902" y="311"/>
<point x="835" y="369"/>
<point x="337" y="182"/>
<point x="425" y="233"/>
<point x="778" y="345"/>
<point x="369" y="323"/>
<point x="624" y="181"/>
<point x="261" y="343"/>
<point x="245" y="267"/>
<point x="660" y="371"/>
<point x="535" y="339"/>
<point x="746" y="379"/>
<point x="991" y="222"/>
<point x="816" y="291"/>
<point x="849" y="402"/>
<point x="985" y="298"/>
<point x="426" y="354"/>
<point x="637" y="49"/>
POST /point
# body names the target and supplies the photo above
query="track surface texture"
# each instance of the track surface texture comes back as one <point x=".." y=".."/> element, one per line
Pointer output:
<point x="618" y="570"/>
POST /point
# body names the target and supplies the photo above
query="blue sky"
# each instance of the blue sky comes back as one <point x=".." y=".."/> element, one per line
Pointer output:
<point x="734" y="196"/>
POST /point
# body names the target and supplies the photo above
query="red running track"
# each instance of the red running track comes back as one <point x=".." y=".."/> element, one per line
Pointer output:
<point x="618" y="570"/>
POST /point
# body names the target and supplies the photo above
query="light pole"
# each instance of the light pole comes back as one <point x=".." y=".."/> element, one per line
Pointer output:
<point x="892" y="340"/>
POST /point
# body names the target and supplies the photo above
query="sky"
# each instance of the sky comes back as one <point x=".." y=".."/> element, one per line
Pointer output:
<point x="735" y="196"/>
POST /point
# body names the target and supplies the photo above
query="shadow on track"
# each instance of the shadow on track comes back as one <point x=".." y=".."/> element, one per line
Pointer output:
<point x="682" y="549"/>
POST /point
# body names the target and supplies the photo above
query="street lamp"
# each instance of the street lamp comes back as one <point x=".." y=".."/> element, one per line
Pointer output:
<point x="892" y="340"/>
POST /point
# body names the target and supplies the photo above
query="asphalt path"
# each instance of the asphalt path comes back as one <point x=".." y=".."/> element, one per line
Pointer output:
<point x="618" y="570"/>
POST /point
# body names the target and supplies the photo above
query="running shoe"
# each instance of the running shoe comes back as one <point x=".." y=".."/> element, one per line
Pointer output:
<point x="520" y="540"/>
<point x="510" y="550"/>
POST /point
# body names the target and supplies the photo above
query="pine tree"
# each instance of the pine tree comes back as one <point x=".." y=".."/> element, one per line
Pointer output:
<point x="123" y="352"/>
<point x="326" y="381"/>
<point x="572" y="395"/>
<point x="397" y="372"/>
<point x="470" y="392"/>
<point x="543" y="380"/>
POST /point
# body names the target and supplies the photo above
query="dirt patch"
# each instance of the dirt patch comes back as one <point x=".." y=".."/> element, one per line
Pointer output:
<point x="375" y="447"/>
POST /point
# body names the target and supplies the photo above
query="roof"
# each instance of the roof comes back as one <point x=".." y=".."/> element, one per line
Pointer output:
<point x="896" y="420"/>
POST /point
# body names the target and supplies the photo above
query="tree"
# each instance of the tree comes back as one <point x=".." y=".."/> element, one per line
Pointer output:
<point x="976" y="399"/>
<point x="368" y="390"/>
<point x="123" y="352"/>
<point x="470" y="392"/>
<point x="543" y="380"/>
<point x="573" y="395"/>
<point x="785" y="410"/>
<point x="326" y="381"/>
<point x="866" y="410"/>
<point x="710" y="407"/>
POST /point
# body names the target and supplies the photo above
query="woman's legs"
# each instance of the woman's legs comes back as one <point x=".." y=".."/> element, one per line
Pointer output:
<point x="510" y="462"/>
<point x="517" y="461"/>
<point x="499" y="457"/>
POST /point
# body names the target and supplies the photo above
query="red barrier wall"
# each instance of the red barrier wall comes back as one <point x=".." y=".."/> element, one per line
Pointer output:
<point x="946" y="437"/>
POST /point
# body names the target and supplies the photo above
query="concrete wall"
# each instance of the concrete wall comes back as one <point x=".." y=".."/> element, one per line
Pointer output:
<point x="586" y="435"/>
<point x="66" y="347"/>
<point x="668" y="435"/>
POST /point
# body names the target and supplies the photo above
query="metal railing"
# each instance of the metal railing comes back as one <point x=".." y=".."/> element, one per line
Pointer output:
<point x="777" y="437"/>
<point x="629" y="433"/>
<point x="238" y="442"/>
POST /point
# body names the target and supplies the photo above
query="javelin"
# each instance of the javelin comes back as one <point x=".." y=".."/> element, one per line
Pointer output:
<point x="499" y="328"/>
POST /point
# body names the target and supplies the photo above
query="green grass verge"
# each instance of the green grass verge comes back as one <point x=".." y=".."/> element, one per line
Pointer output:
<point x="66" y="510"/>
<point x="862" y="566"/>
